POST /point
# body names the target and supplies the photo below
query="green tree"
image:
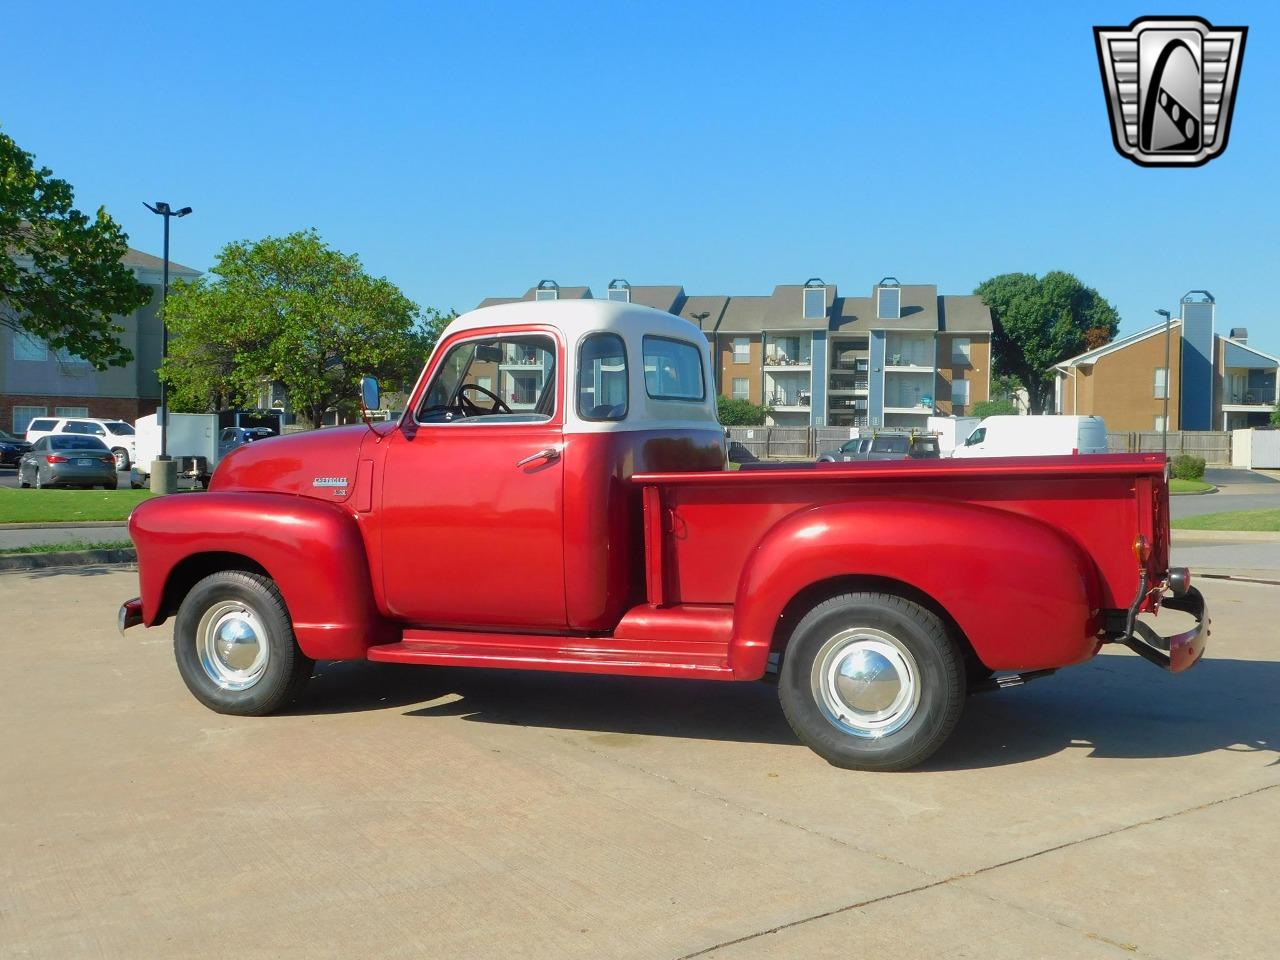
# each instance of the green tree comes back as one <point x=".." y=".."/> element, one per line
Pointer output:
<point x="740" y="413"/>
<point x="1040" y="321"/>
<point x="1275" y="415"/>
<point x="294" y="310"/>
<point x="61" y="276"/>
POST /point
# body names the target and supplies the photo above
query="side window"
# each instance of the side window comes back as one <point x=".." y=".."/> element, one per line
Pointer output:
<point x="672" y="370"/>
<point x="976" y="437"/>
<point x="602" y="377"/>
<point x="227" y="435"/>
<point x="506" y="379"/>
<point x="74" y="426"/>
<point x="40" y="445"/>
<point x="37" y="424"/>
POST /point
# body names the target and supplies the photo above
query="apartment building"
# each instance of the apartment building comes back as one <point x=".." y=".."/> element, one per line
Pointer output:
<point x="816" y="358"/>
<point x="36" y="381"/>
<point x="1212" y="382"/>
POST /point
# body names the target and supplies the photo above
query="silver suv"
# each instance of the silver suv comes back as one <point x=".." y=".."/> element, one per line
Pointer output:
<point x="116" y="434"/>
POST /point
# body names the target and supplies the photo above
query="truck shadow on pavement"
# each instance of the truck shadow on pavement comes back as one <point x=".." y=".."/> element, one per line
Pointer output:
<point x="1115" y="707"/>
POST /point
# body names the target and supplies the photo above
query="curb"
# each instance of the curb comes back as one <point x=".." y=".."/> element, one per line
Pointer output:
<point x="44" y="561"/>
<point x="64" y="525"/>
<point x="1195" y="493"/>
<point x="1180" y="535"/>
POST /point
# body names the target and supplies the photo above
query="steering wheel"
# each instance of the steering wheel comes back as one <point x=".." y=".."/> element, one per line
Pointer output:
<point x="499" y="405"/>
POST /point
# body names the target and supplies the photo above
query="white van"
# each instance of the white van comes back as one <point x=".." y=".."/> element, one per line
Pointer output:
<point x="1048" y="436"/>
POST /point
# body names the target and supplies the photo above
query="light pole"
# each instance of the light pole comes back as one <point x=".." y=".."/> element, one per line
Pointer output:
<point x="167" y="479"/>
<point x="1164" y="421"/>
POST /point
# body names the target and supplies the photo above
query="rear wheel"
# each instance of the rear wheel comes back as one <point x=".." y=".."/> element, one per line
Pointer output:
<point x="235" y="647"/>
<point x="872" y="681"/>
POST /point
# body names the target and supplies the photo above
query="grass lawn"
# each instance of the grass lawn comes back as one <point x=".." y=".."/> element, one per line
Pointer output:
<point x="54" y="506"/>
<point x="71" y="546"/>
<point x="1188" y="486"/>
<point x="1267" y="520"/>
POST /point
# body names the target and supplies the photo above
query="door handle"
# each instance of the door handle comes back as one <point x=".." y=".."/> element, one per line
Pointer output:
<point x="551" y="454"/>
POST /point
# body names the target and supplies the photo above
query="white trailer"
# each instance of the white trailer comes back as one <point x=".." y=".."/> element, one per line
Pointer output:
<point x="951" y="431"/>
<point x="192" y="440"/>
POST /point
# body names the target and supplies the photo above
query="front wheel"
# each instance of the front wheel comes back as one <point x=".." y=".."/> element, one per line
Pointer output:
<point x="235" y="647"/>
<point x="121" y="457"/>
<point x="872" y="681"/>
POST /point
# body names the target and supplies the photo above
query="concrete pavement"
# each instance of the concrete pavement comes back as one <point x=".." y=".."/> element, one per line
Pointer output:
<point x="1109" y="811"/>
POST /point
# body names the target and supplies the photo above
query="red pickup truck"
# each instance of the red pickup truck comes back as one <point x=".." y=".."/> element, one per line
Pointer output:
<point x="555" y="497"/>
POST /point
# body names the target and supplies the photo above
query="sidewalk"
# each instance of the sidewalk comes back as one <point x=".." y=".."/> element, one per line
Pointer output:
<point x="15" y="535"/>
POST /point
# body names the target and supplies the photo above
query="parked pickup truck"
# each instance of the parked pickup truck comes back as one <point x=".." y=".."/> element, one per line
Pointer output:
<point x="555" y="497"/>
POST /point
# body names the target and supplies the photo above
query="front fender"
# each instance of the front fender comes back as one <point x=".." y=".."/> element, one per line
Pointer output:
<point x="1021" y="591"/>
<point x="313" y="551"/>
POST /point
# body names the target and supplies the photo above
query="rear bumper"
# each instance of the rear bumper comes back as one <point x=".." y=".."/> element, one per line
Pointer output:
<point x="1180" y="651"/>
<point x="130" y="614"/>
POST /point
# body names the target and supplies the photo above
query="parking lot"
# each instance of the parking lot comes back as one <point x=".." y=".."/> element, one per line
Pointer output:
<point x="1111" y="810"/>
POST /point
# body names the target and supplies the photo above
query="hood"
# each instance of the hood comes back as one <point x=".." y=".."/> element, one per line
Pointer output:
<point x="320" y="464"/>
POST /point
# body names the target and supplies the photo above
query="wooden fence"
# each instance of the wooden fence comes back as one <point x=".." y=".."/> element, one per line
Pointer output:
<point x="1213" y="445"/>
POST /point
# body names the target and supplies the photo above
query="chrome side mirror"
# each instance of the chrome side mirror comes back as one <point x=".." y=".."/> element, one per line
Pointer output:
<point x="370" y="394"/>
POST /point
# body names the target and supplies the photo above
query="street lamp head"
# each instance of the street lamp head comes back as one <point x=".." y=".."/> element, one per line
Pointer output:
<point x="1163" y="313"/>
<point x="183" y="212"/>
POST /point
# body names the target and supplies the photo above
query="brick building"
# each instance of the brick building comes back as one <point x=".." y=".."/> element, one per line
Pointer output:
<point x="36" y="381"/>
<point x="1213" y="382"/>
<point x="817" y="358"/>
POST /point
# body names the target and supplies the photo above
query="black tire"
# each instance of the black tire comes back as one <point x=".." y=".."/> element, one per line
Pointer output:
<point x="931" y="656"/>
<point x="287" y="669"/>
<point x="112" y="486"/>
<point x="121" y="456"/>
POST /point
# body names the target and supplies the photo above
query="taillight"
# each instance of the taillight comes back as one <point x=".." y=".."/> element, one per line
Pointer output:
<point x="108" y="459"/>
<point x="54" y="458"/>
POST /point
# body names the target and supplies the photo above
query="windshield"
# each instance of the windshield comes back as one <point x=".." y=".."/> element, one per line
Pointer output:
<point x="8" y="437"/>
<point x="120" y="428"/>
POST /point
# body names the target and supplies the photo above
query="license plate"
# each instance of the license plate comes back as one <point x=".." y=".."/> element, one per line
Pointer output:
<point x="84" y="463"/>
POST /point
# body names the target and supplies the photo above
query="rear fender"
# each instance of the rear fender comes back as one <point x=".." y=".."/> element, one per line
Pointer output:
<point x="1021" y="592"/>
<point x="311" y="549"/>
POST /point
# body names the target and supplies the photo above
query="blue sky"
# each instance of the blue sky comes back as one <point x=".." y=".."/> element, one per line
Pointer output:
<point x="467" y="150"/>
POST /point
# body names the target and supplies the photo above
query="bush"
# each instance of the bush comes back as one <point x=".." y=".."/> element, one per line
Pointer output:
<point x="994" y="408"/>
<point x="1187" y="467"/>
<point x="1275" y="415"/>
<point x="740" y="413"/>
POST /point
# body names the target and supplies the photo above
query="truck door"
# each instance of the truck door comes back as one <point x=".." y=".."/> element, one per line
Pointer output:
<point x="472" y="492"/>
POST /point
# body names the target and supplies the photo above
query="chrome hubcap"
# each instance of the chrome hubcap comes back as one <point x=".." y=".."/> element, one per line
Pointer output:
<point x="866" y="682"/>
<point x="232" y="645"/>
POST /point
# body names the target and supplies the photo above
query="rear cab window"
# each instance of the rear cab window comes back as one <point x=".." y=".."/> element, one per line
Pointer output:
<point x="76" y="443"/>
<point x="889" y="445"/>
<point x="673" y="369"/>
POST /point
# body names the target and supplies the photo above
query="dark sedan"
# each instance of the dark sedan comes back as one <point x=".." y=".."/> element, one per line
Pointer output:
<point x="68" y="460"/>
<point x="12" y="448"/>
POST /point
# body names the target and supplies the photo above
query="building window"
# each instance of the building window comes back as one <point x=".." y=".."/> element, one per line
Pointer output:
<point x="815" y="303"/>
<point x="27" y="347"/>
<point x="672" y="369"/>
<point x="960" y="350"/>
<point x="741" y="388"/>
<point x="1162" y="383"/>
<point x="22" y="417"/>
<point x="959" y="392"/>
<point x="1157" y="423"/>
<point x="741" y="350"/>
<point x="889" y="303"/>
<point x="70" y="412"/>
<point x="620" y="291"/>
<point x="602" y="377"/>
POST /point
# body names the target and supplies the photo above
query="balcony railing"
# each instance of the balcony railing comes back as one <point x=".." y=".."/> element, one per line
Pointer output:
<point x="780" y="360"/>
<point x="1256" y="398"/>
<point x="800" y="400"/>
